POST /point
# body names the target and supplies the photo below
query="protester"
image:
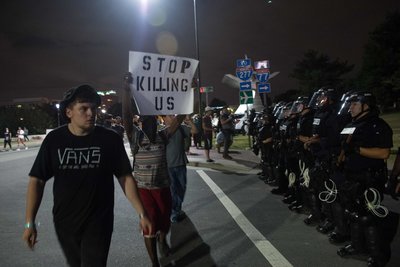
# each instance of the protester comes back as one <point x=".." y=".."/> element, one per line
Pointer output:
<point x="26" y="133"/>
<point x="21" y="138"/>
<point x="177" y="160"/>
<point x="197" y="136"/>
<point x="117" y="126"/>
<point x="207" y="133"/>
<point x="227" y="128"/>
<point x="82" y="158"/>
<point x="7" y="138"/>
<point x="148" y="146"/>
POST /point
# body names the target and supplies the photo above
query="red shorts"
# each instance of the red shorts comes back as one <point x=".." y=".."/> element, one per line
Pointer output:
<point x="157" y="203"/>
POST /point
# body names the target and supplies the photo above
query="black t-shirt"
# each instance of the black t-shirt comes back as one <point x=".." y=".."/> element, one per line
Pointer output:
<point x="83" y="169"/>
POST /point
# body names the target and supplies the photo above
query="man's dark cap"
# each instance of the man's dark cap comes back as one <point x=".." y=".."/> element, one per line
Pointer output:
<point x="85" y="93"/>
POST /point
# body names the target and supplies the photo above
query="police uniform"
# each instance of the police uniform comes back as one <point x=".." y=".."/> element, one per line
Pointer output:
<point x="363" y="173"/>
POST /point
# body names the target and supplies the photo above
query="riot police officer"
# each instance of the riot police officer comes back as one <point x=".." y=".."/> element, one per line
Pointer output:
<point x="367" y="143"/>
<point x="303" y="134"/>
<point x="325" y="140"/>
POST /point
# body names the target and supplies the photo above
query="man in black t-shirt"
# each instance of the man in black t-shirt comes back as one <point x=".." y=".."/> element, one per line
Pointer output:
<point x="82" y="158"/>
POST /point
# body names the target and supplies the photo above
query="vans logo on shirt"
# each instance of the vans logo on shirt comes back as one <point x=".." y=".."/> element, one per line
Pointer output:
<point x="79" y="158"/>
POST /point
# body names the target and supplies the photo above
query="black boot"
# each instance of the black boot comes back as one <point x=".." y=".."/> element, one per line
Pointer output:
<point x="375" y="247"/>
<point x="342" y="232"/>
<point x="357" y="241"/>
<point x="325" y="227"/>
<point x="315" y="216"/>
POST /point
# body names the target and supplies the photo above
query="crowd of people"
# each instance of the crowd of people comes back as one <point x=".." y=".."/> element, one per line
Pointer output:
<point x="327" y="157"/>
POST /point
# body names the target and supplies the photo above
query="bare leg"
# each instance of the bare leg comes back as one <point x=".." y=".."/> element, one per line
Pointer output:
<point x="151" y="246"/>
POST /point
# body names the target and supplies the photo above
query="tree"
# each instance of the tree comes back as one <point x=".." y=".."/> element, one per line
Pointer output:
<point x="317" y="70"/>
<point x="37" y="118"/>
<point x="380" y="71"/>
<point x="289" y="95"/>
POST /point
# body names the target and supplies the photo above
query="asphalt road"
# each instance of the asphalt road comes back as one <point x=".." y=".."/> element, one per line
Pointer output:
<point x="232" y="220"/>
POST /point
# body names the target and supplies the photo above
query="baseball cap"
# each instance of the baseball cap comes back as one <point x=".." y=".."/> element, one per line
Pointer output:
<point x="84" y="92"/>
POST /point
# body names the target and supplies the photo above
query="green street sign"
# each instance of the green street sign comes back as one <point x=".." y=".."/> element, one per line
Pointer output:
<point x="246" y="97"/>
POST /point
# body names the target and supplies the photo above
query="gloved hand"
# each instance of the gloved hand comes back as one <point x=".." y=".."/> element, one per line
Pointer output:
<point x="350" y="148"/>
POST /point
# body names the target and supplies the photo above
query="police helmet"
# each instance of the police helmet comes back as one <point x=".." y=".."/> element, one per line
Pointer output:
<point x="277" y="106"/>
<point x="285" y="111"/>
<point x="364" y="97"/>
<point x="322" y="97"/>
<point x="344" y="104"/>
<point x="299" y="105"/>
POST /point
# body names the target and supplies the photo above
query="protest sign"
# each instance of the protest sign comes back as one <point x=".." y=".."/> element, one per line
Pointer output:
<point x="162" y="83"/>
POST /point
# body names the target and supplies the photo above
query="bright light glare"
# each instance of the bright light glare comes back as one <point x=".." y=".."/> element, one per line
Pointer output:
<point x="144" y="5"/>
<point x="157" y="16"/>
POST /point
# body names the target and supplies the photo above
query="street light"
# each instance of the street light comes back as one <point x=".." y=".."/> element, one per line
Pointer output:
<point x="197" y="53"/>
<point x="58" y="114"/>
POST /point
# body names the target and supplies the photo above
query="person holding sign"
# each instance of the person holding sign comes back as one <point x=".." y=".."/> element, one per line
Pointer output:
<point x="148" y="145"/>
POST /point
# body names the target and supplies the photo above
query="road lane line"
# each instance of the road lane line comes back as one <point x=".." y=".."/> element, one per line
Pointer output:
<point x="271" y="254"/>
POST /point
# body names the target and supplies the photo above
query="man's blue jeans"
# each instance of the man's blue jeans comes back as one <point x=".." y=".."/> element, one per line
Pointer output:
<point x="178" y="188"/>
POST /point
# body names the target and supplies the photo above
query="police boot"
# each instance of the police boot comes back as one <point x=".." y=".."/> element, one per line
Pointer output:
<point x="374" y="244"/>
<point x="326" y="226"/>
<point x="271" y="175"/>
<point x="289" y="196"/>
<point x="282" y="183"/>
<point x="315" y="216"/>
<point x="341" y="232"/>
<point x="357" y="241"/>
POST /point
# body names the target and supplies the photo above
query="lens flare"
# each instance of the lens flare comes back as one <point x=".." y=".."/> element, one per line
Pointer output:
<point x="167" y="44"/>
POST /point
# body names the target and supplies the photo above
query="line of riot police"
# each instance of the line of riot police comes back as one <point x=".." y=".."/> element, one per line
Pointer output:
<point x="327" y="157"/>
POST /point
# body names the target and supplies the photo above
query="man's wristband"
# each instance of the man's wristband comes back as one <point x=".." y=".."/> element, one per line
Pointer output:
<point x="29" y="225"/>
<point x="141" y="215"/>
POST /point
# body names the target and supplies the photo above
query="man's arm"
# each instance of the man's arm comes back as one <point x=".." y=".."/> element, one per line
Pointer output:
<point x="225" y="121"/>
<point x="175" y="123"/>
<point x="129" y="187"/>
<point x="33" y="199"/>
<point x="375" y="152"/>
<point x="188" y="121"/>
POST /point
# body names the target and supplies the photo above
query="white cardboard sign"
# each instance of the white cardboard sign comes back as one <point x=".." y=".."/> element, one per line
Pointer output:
<point x="162" y="84"/>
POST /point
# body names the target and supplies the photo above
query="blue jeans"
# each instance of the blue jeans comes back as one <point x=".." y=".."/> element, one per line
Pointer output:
<point x="178" y="189"/>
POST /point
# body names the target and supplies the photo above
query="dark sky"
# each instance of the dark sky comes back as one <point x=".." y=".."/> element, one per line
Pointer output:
<point x="48" y="46"/>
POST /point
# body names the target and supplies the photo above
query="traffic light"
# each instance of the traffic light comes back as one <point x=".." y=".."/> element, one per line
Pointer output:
<point x="202" y="89"/>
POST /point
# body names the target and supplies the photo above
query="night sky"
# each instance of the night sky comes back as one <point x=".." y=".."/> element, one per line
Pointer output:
<point x="48" y="46"/>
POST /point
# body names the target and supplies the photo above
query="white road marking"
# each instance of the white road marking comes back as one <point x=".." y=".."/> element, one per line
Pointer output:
<point x="271" y="254"/>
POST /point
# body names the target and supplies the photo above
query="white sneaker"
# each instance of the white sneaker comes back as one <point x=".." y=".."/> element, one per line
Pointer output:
<point x="26" y="147"/>
<point x="18" y="149"/>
